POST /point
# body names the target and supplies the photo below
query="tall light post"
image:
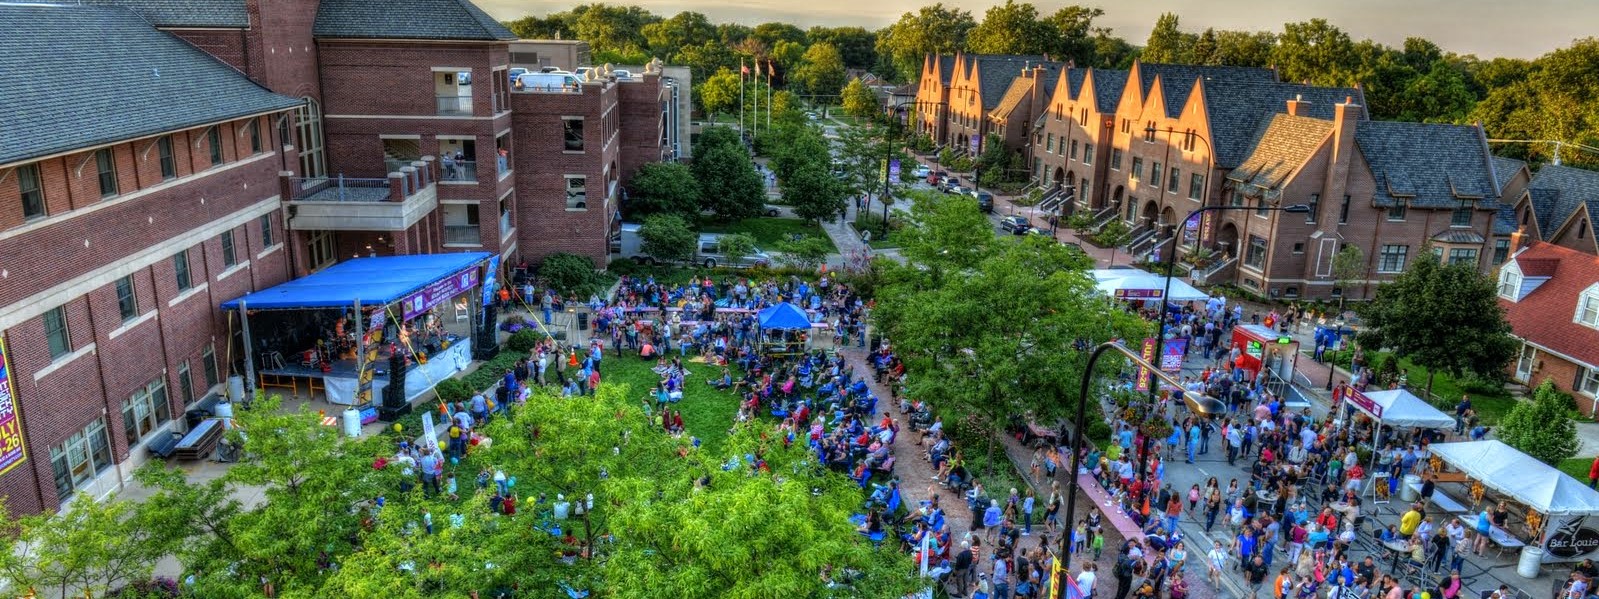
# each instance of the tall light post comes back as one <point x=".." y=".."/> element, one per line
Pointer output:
<point x="1198" y="403"/>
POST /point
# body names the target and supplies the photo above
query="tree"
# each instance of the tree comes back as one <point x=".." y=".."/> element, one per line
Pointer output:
<point x="1073" y="34"/>
<point x="1348" y="270"/>
<point x="935" y="29"/>
<point x="859" y="101"/>
<point x="1205" y="49"/>
<point x="1444" y="318"/>
<point x="1243" y="48"/>
<point x="1113" y="235"/>
<point x="735" y="246"/>
<point x="664" y="188"/>
<point x="813" y="192"/>
<point x="771" y="33"/>
<point x="90" y="548"/>
<point x="822" y="70"/>
<point x="1315" y="51"/>
<point x="855" y="44"/>
<point x="719" y="94"/>
<point x="668" y="238"/>
<point x="807" y="253"/>
<point x="1166" y="42"/>
<point x="612" y="28"/>
<point x="729" y="185"/>
<point x="1111" y="52"/>
<point x="685" y="29"/>
<point x="1011" y="28"/>
<point x="1542" y="427"/>
<point x="945" y="234"/>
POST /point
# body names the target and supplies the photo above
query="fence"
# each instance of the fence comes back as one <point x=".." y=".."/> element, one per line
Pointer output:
<point x="340" y="189"/>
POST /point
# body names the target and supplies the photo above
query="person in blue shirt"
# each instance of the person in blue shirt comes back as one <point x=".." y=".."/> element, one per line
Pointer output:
<point x="1193" y="441"/>
<point x="1126" y="439"/>
<point x="1246" y="547"/>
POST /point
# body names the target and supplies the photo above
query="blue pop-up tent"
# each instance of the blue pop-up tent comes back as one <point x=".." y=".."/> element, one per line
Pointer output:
<point x="373" y="281"/>
<point x="784" y="316"/>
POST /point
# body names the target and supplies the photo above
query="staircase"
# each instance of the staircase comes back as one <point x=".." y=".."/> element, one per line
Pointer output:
<point x="1104" y="216"/>
<point x="1054" y="199"/>
<point x="1142" y="236"/>
<point x="1220" y="272"/>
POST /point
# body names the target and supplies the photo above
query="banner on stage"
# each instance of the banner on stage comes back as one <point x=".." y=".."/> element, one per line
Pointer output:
<point x="439" y="292"/>
<point x="1171" y="355"/>
<point x="491" y="280"/>
<point x="12" y="452"/>
<point x="1143" y="371"/>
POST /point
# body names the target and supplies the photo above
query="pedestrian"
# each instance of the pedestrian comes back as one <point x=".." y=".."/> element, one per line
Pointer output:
<point x="1255" y="575"/>
<point x="1217" y="562"/>
<point x="1086" y="578"/>
<point x="1027" y="513"/>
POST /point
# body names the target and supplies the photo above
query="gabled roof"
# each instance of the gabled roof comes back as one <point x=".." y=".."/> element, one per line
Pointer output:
<point x="946" y="67"/>
<point x="1177" y="80"/>
<point x="1505" y="169"/>
<point x="1545" y="315"/>
<point x="1557" y="191"/>
<point x="995" y="72"/>
<point x="1022" y="87"/>
<point x="1281" y="148"/>
<point x="1429" y="165"/>
<point x="1505" y="219"/>
<point x="1108" y="87"/>
<point x="160" y="82"/>
<point x="407" y="19"/>
<point x="184" y="13"/>
<point x="1236" y="107"/>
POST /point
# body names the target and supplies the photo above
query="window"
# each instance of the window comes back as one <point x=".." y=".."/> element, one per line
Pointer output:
<point x="1138" y="169"/>
<point x="1392" y="258"/>
<point x="1115" y="159"/>
<point x="230" y="258"/>
<point x="1049" y="144"/>
<point x="1299" y="248"/>
<point x="77" y="460"/>
<point x="1074" y="150"/>
<point x="1588" y="310"/>
<point x="1260" y="206"/>
<point x="319" y="249"/>
<point x="459" y="159"/>
<point x="1343" y="212"/>
<point x="577" y="195"/>
<point x="1149" y="132"/>
<point x="1588" y="381"/>
<point x="1083" y="189"/>
<point x="1582" y="229"/>
<point x="1501" y="251"/>
<point x="266" y="230"/>
<point x="1196" y="186"/>
<point x="185" y="384"/>
<point x="169" y="162"/>
<point x="283" y="133"/>
<point x="32" y="188"/>
<point x="208" y="359"/>
<point x="1467" y="256"/>
<point x="1155" y="173"/>
<point x="146" y="411"/>
<point x="180" y="267"/>
<point x="55" y="331"/>
<point x="1088" y="154"/>
<point x="502" y="154"/>
<point x="105" y="163"/>
<point x="1397" y="211"/>
<point x="1256" y="255"/>
<point x="213" y="138"/>
<point x="254" y="127"/>
<point x="1509" y="284"/>
<point x="507" y="220"/>
<point x="572" y="129"/>
<point x="127" y="302"/>
<point x="308" y="124"/>
<point x="461" y="225"/>
<point x="1238" y="198"/>
<point x="1173" y="179"/>
<point x="1461" y="216"/>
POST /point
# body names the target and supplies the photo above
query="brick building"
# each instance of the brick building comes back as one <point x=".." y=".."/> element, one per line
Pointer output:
<point x="1550" y="294"/>
<point x="242" y="143"/>
<point x="1559" y="205"/>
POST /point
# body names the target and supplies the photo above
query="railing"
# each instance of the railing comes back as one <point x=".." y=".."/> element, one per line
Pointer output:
<point x="393" y="165"/>
<point x="505" y="225"/>
<point x="459" y="170"/>
<point x="463" y="234"/>
<point x="340" y="189"/>
<point x="502" y="165"/>
<point x="550" y="88"/>
<point x="455" y="105"/>
<point x="1208" y="275"/>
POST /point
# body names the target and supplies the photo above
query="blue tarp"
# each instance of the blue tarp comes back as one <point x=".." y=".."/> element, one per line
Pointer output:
<point x="374" y="281"/>
<point x="784" y="316"/>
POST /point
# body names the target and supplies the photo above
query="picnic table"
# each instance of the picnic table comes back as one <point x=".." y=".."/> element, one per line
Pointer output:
<point x="1444" y="502"/>
<point x="1500" y="537"/>
<point x="1034" y="431"/>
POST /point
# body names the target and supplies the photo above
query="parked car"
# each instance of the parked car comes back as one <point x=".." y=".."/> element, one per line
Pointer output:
<point x="514" y="73"/>
<point x="771" y="210"/>
<point x="921" y="171"/>
<point x="1014" y="224"/>
<point x="629" y="244"/>
<point x="935" y="178"/>
<point x="955" y="189"/>
<point x="952" y="185"/>
<point x="985" y="201"/>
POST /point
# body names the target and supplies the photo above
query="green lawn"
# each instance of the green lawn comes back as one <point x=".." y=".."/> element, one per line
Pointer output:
<point x="707" y="413"/>
<point x="1491" y="402"/>
<point x="770" y="232"/>
<point x="1577" y="467"/>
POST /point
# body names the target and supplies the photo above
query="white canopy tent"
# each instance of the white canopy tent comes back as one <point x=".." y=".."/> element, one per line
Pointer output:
<point x="1505" y="469"/>
<point x="1397" y="407"/>
<point x="1137" y="284"/>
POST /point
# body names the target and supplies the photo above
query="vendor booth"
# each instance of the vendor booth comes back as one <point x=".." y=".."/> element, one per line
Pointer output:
<point x="354" y="328"/>
<point x="1374" y="413"/>
<point x="1134" y="284"/>
<point x="1557" y="511"/>
<point x="1262" y="348"/>
<point x="784" y="329"/>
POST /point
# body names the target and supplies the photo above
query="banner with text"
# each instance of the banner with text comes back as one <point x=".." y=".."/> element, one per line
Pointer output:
<point x="1171" y="354"/>
<point x="1143" y="371"/>
<point x="12" y="452"/>
<point x="438" y="292"/>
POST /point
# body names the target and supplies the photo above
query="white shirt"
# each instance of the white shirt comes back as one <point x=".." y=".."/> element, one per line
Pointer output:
<point x="1085" y="582"/>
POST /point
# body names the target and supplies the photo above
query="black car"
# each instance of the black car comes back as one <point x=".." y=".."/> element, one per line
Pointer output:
<point x="1014" y="224"/>
<point x="985" y="202"/>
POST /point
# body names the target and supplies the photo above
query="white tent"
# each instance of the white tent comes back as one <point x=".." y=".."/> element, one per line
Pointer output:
<point x="1505" y="469"/>
<point x="1397" y="407"/>
<point x="1112" y="280"/>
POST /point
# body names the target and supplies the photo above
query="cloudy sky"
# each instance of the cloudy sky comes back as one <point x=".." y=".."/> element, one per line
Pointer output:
<point x="1525" y="28"/>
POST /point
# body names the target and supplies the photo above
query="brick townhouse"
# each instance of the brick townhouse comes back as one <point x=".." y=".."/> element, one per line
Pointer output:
<point x="130" y="206"/>
<point x="1550" y="294"/>
<point x="1559" y="205"/>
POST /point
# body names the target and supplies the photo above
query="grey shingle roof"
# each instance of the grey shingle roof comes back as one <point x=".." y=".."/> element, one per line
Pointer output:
<point x="1505" y="169"/>
<point x="1505" y="219"/>
<point x="946" y="67"/>
<point x="97" y="75"/>
<point x="1236" y="107"/>
<point x="1545" y="205"/>
<point x="995" y="72"/>
<point x="1177" y="80"/>
<point x="1283" y="145"/>
<point x="1466" y="236"/>
<point x="184" y="13"/>
<point x="1108" y="87"/>
<point x="407" y="19"/>
<point x="1429" y="165"/>
<point x="1557" y="191"/>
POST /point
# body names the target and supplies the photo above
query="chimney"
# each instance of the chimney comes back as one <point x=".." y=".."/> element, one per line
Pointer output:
<point x="1298" y="106"/>
<point x="1346" y="117"/>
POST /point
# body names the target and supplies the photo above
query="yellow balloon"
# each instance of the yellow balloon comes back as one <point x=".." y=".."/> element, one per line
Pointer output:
<point x="398" y="427"/>
<point x="443" y="445"/>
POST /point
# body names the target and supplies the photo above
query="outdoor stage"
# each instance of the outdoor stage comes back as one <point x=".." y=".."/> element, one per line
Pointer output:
<point x="339" y="383"/>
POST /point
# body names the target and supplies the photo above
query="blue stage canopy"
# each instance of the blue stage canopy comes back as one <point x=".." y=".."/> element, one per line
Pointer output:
<point x="784" y="316"/>
<point x="374" y="281"/>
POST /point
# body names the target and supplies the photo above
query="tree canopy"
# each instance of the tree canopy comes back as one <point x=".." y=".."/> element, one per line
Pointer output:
<point x="1445" y="318"/>
<point x="664" y="188"/>
<point x="1542" y="427"/>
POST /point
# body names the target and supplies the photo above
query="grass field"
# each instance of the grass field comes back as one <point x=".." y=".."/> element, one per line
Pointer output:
<point x="1492" y="403"/>
<point x="769" y="232"/>
<point x="707" y="413"/>
<point x="1577" y="467"/>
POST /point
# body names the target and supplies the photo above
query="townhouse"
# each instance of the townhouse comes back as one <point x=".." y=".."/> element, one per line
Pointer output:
<point x="1550" y="294"/>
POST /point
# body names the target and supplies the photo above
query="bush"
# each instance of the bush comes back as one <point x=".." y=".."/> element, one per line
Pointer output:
<point x="569" y="274"/>
<point x="453" y="390"/>
<point x="1098" y="431"/>
<point x="523" y="341"/>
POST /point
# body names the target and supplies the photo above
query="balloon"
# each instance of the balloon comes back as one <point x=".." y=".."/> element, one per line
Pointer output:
<point x="443" y="445"/>
<point x="398" y="427"/>
<point x="454" y="461"/>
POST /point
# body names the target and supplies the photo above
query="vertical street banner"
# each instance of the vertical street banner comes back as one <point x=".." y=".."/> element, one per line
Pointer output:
<point x="1171" y="355"/>
<point x="1143" y="371"/>
<point x="491" y="280"/>
<point x="893" y="170"/>
<point x="12" y="453"/>
<point x="1191" y="227"/>
<point x="977" y="143"/>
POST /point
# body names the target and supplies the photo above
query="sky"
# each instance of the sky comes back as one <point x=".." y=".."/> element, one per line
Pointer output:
<point x="1487" y="28"/>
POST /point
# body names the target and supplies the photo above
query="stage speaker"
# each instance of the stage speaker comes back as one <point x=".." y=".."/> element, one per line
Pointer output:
<point x="487" y="342"/>
<point x="582" y="321"/>
<point x="394" y="404"/>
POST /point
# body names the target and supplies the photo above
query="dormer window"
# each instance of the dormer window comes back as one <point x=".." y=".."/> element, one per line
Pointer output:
<point x="1509" y="283"/>
<point x="1462" y="215"/>
<point x="1397" y="211"/>
<point x="1588" y="308"/>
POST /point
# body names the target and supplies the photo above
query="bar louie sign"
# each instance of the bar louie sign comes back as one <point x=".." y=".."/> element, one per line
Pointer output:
<point x="439" y="291"/>
<point x="1572" y="540"/>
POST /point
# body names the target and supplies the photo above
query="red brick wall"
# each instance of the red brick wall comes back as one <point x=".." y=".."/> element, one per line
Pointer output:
<point x="640" y="120"/>
<point x="282" y="55"/>
<point x="544" y="225"/>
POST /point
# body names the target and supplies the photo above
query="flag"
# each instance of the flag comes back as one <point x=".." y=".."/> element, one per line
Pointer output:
<point x="743" y="69"/>
<point x="757" y="69"/>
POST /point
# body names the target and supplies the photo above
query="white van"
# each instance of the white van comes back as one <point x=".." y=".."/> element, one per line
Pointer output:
<point x="630" y="245"/>
<point x="548" y="82"/>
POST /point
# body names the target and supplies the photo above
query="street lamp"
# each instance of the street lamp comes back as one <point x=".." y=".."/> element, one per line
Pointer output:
<point x="888" y="156"/>
<point x="1198" y="403"/>
<point x="1160" y="323"/>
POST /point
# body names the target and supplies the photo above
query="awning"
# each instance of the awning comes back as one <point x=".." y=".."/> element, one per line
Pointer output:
<point x="1505" y="469"/>
<point x="373" y="281"/>
<point x="1397" y="407"/>
<point x="1131" y="283"/>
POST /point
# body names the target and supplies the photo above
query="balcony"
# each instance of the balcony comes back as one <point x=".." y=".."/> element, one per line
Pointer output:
<point x="462" y="235"/>
<point x="454" y="105"/>
<point x="351" y="204"/>
<point x="464" y="171"/>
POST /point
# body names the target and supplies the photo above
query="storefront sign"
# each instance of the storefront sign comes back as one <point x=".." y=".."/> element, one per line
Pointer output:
<point x="1573" y="539"/>
<point x="1143" y="371"/>
<point x="1171" y="355"/>
<point x="12" y="453"/>
<point x="439" y="292"/>
<point x="1363" y="403"/>
<point x="1139" y="294"/>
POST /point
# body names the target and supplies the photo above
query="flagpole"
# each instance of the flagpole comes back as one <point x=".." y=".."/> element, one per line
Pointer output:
<point x="768" y="95"/>
<point x="755" y="113"/>
<point x="742" y="70"/>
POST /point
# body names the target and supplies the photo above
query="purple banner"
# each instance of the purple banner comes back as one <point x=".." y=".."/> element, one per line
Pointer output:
<point x="977" y="142"/>
<point x="1138" y="293"/>
<point x="1148" y="354"/>
<point x="439" y="291"/>
<point x="12" y="453"/>
<point x="893" y="170"/>
<point x="1171" y="354"/>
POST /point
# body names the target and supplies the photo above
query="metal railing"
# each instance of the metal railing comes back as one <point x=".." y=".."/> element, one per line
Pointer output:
<point x="455" y="104"/>
<point x="463" y="234"/>
<point x="458" y="170"/>
<point x="340" y="189"/>
<point x="393" y="165"/>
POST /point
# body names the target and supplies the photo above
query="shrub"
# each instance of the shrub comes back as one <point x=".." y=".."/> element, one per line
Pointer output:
<point x="523" y="341"/>
<point x="569" y="274"/>
<point x="453" y="390"/>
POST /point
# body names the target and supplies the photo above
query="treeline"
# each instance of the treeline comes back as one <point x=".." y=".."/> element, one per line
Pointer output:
<point x="1553" y="97"/>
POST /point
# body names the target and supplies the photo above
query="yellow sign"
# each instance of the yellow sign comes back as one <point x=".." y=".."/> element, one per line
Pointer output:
<point x="13" y="452"/>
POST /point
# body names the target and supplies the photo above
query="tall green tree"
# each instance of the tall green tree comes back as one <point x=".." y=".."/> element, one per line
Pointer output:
<point x="814" y="192"/>
<point x="685" y="29"/>
<point x="1542" y="427"/>
<point x="771" y="33"/>
<point x="1244" y="48"/>
<point x="729" y="185"/>
<point x="88" y="549"/>
<point x="1444" y="318"/>
<point x="822" y="71"/>
<point x="857" y="45"/>
<point x="1348" y="270"/>
<point x="718" y="94"/>
<point x="664" y="188"/>
<point x="859" y="100"/>
<point x="935" y="29"/>
<point x="1315" y="51"/>
<point x="1011" y="28"/>
<point x="1167" y="43"/>
<point x="1073" y="35"/>
<point x="668" y="238"/>
<point x="612" y="28"/>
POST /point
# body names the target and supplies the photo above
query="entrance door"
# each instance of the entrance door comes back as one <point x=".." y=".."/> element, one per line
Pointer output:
<point x="1524" y="364"/>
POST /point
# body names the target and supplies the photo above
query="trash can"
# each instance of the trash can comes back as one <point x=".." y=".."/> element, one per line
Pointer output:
<point x="193" y="418"/>
<point x="1531" y="561"/>
<point x="352" y="423"/>
<point x="1407" y="488"/>
<point x="582" y="321"/>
